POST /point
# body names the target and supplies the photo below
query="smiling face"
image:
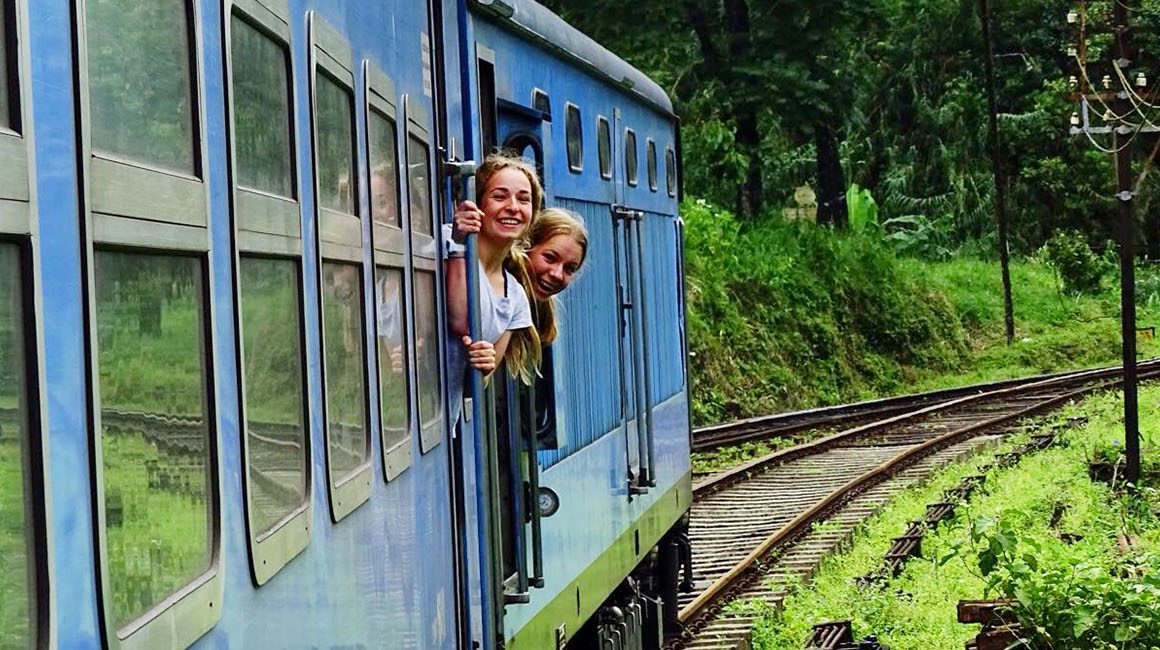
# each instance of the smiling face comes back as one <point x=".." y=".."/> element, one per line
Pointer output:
<point x="506" y="206"/>
<point x="554" y="263"/>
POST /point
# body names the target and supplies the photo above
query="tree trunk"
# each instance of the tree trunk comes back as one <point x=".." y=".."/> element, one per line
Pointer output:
<point x="749" y="143"/>
<point x="832" y="209"/>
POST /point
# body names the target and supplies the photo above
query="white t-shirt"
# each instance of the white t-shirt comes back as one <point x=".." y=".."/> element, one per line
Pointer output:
<point x="497" y="314"/>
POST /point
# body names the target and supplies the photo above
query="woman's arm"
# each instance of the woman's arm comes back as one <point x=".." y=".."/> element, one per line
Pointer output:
<point x="455" y="275"/>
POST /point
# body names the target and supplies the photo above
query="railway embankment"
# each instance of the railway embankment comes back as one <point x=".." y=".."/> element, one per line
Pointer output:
<point x="785" y="316"/>
<point x="1078" y="557"/>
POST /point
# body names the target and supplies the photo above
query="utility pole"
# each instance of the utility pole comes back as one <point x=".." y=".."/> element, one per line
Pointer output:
<point x="1124" y="132"/>
<point x="997" y="168"/>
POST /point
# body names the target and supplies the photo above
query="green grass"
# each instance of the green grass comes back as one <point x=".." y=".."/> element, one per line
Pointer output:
<point x="14" y="597"/>
<point x="916" y="610"/>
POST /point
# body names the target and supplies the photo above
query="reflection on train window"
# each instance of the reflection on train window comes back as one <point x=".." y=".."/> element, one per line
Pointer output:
<point x="16" y="564"/>
<point x="670" y="171"/>
<point x="342" y="330"/>
<point x="140" y="74"/>
<point x="275" y="433"/>
<point x="604" y="147"/>
<point x="5" y="117"/>
<point x="574" y="133"/>
<point x="651" y="163"/>
<point x="391" y="313"/>
<point x="262" y="131"/>
<point x="384" y="175"/>
<point x="427" y="347"/>
<point x="154" y="433"/>
<point x="418" y="162"/>
<point x="542" y="102"/>
<point x="335" y="142"/>
<point x="630" y="156"/>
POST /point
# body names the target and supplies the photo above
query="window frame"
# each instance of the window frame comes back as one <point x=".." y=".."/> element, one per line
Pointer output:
<point x="671" y="171"/>
<point x="15" y="144"/>
<point x="389" y="243"/>
<point x="604" y="134"/>
<point x="650" y="148"/>
<point x="631" y="172"/>
<point x="571" y="109"/>
<point x="274" y="231"/>
<point x="340" y="239"/>
<point x="537" y="93"/>
<point x="425" y="257"/>
<point x="120" y="205"/>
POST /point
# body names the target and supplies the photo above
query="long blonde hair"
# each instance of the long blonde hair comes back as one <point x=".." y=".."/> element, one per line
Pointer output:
<point x="549" y="223"/>
<point x="523" y="354"/>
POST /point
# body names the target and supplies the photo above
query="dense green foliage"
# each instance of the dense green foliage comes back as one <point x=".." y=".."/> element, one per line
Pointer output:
<point x="1009" y="541"/>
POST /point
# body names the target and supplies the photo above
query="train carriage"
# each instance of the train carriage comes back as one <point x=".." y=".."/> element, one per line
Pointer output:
<point x="223" y="393"/>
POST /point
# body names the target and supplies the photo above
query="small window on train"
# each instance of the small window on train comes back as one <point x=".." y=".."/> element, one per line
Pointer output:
<point x="16" y="581"/>
<point x="419" y="187"/>
<point x="348" y="445"/>
<point x="427" y="348"/>
<point x="542" y="102"/>
<point x="384" y="170"/>
<point x="262" y="128"/>
<point x="334" y="110"/>
<point x="604" y="146"/>
<point x="574" y="132"/>
<point x="651" y="163"/>
<point x="630" y="154"/>
<point x="391" y="313"/>
<point x="275" y="403"/>
<point x="158" y="482"/>
<point x="670" y="171"/>
<point x="141" y="82"/>
<point x="7" y="98"/>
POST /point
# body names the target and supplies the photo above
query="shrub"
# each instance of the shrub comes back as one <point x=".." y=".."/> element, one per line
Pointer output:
<point x="1077" y="266"/>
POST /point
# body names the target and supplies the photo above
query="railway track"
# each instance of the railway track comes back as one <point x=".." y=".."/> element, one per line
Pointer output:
<point x="847" y="415"/>
<point x="755" y="525"/>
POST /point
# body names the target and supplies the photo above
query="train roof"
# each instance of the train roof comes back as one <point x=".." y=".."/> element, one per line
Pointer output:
<point x="532" y="20"/>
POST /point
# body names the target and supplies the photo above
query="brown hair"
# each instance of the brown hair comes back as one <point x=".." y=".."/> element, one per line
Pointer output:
<point x="549" y="223"/>
<point x="523" y="352"/>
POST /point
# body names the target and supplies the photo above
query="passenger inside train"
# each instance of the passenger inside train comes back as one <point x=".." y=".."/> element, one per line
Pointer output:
<point x="508" y="195"/>
<point x="547" y="260"/>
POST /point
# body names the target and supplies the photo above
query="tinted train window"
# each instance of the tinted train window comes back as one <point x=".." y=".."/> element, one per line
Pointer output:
<point x="651" y="162"/>
<point x="418" y="164"/>
<point x="140" y="81"/>
<point x="342" y="329"/>
<point x="391" y="312"/>
<point x="262" y="132"/>
<point x="670" y="171"/>
<point x="5" y="111"/>
<point x="604" y="147"/>
<point x="427" y="348"/>
<point x="335" y="141"/>
<point x="384" y="172"/>
<point x="155" y="446"/>
<point x="574" y="132"/>
<point x="16" y="561"/>
<point x="541" y="102"/>
<point x="275" y="432"/>
<point x="630" y="156"/>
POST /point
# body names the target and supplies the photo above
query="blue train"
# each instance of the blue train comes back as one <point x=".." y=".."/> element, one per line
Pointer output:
<point x="222" y="381"/>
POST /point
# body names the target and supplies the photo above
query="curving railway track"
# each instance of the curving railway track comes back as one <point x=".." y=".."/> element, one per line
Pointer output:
<point x="755" y="526"/>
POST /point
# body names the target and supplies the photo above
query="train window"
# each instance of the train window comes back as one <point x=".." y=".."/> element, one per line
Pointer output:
<point x="274" y="397"/>
<point x="418" y="164"/>
<point x="604" y="146"/>
<point x="262" y="127"/>
<point x="543" y="103"/>
<point x="630" y="154"/>
<point x="5" y="96"/>
<point x="384" y="184"/>
<point x="671" y="171"/>
<point x="574" y="133"/>
<point x="159" y="500"/>
<point x="428" y="346"/>
<point x="333" y="109"/>
<point x="651" y="163"/>
<point x="348" y="445"/>
<point x="141" y="82"/>
<point x="391" y="310"/>
<point x="18" y="577"/>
